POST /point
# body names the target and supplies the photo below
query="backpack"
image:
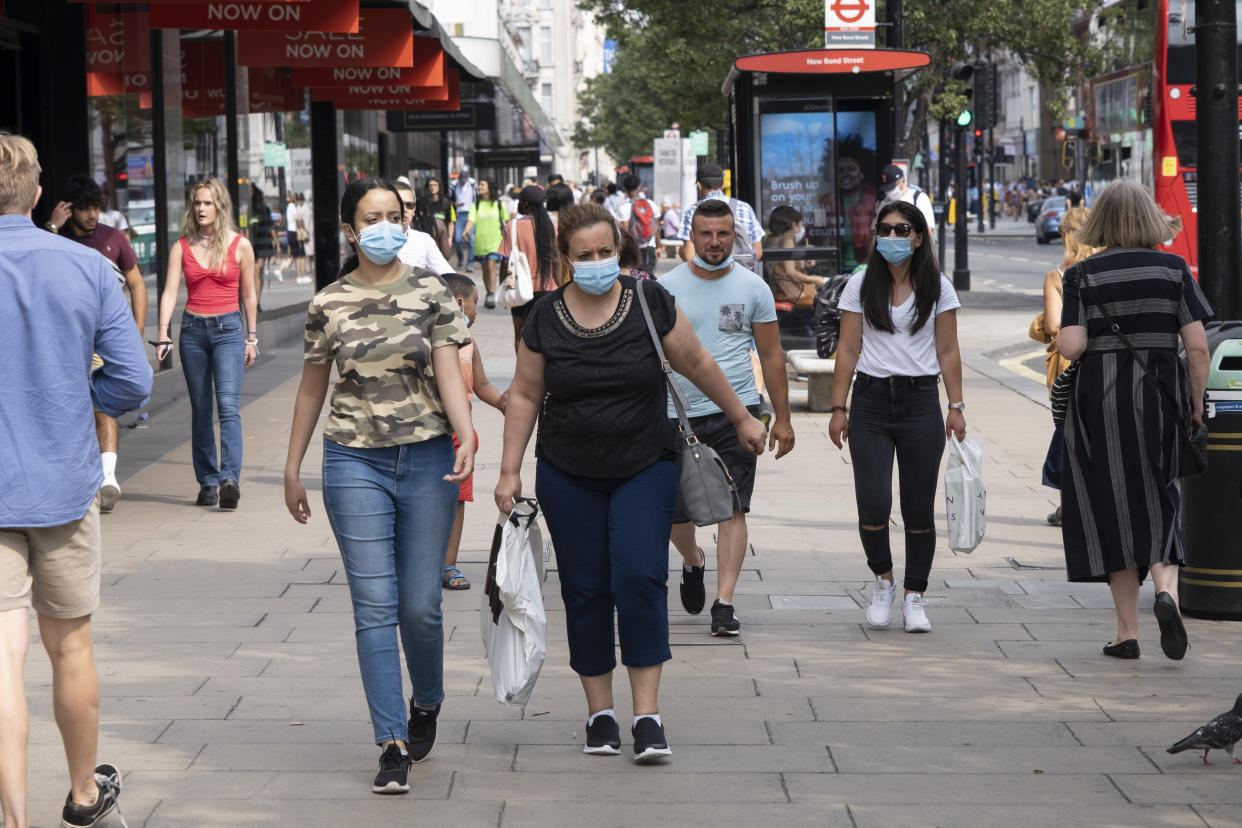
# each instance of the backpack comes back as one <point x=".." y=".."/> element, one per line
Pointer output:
<point x="828" y="316"/>
<point x="642" y="220"/>
<point x="743" y="251"/>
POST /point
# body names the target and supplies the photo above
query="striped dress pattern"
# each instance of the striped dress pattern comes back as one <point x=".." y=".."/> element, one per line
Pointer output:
<point x="1120" y="490"/>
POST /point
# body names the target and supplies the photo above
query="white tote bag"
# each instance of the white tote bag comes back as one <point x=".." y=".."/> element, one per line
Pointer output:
<point x="965" y="497"/>
<point x="518" y="288"/>
<point x="513" y="622"/>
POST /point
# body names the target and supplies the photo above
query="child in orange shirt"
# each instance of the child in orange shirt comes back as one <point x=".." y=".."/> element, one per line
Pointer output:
<point x="477" y="385"/>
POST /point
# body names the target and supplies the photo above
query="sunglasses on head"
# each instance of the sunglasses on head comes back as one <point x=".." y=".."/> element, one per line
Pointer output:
<point x="900" y="230"/>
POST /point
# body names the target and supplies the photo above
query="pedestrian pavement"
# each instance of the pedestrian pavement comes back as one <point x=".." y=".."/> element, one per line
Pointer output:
<point x="231" y="694"/>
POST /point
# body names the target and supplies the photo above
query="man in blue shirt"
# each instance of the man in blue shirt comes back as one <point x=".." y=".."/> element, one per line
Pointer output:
<point x="61" y="302"/>
<point x="748" y="232"/>
<point x="730" y="308"/>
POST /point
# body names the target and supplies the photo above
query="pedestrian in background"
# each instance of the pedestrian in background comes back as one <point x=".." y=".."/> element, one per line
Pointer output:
<point x="536" y="239"/>
<point x="642" y="222"/>
<point x="789" y="282"/>
<point x="218" y="341"/>
<point x="607" y="473"/>
<point x="1045" y="328"/>
<point x="390" y="475"/>
<point x="292" y="237"/>
<point x="485" y="223"/>
<point x="730" y="308"/>
<point x="1121" y="495"/>
<point x="306" y="227"/>
<point x="84" y="225"/>
<point x="559" y="198"/>
<point x="445" y="214"/>
<point x="748" y="233"/>
<point x="465" y="191"/>
<point x="899" y="331"/>
<point x="262" y="239"/>
<point x="63" y="302"/>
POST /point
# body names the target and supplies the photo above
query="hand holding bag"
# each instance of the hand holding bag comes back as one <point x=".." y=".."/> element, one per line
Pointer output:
<point x="513" y="622"/>
<point x="519" y="287"/>
<point x="707" y="491"/>
<point x="965" y="496"/>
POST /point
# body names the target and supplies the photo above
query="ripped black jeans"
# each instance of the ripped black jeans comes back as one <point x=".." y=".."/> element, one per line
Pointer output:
<point x="897" y="416"/>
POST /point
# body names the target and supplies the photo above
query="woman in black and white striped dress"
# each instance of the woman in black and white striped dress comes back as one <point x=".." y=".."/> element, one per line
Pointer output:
<point x="1122" y="444"/>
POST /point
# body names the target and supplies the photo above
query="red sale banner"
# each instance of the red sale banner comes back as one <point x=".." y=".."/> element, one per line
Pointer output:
<point x="428" y="70"/>
<point x="309" y="15"/>
<point x="385" y="37"/>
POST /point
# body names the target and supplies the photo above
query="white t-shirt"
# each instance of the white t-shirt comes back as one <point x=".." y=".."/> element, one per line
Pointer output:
<point x="421" y="250"/>
<point x="901" y="353"/>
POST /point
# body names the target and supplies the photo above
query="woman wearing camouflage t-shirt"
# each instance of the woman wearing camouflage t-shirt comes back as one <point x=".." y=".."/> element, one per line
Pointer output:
<point x="390" y="479"/>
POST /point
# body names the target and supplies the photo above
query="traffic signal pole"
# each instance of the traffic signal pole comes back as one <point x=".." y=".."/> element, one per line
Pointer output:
<point x="961" y="273"/>
<point x="1216" y="68"/>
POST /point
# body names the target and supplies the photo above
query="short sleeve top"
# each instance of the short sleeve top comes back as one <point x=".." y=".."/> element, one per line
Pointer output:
<point x="381" y="338"/>
<point x="902" y="353"/>
<point x="603" y="413"/>
<point x="1148" y="293"/>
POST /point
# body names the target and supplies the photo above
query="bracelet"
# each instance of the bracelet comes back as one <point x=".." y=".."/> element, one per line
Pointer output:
<point x="252" y="333"/>
<point x="837" y="408"/>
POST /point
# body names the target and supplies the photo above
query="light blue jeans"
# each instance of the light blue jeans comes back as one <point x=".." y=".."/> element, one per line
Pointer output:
<point x="213" y="361"/>
<point x="463" y="242"/>
<point x="392" y="511"/>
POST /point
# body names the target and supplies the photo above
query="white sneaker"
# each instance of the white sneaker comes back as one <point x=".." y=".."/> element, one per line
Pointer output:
<point x="880" y="611"/>
<point x="109" y="494"/>
<point x="916" y="618"/>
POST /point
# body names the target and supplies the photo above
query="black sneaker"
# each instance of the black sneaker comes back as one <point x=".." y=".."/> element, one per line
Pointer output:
<point x="108" y="780"/>
<point x="421" y="731"/>
<point x="649" y="741"/>
<point x="207" y="496"/>
<point x="603" y="737"/>
<point x="693" y="596"/>
<point x="230" y="493"/>
<point x="724" y="620"/>
<point x="394" y="769"/>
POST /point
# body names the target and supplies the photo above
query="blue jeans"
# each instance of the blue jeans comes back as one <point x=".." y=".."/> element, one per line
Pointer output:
<point x="213" y="360"/>
<point x="463" y="242"/>
<point x="391" y="511"/>
<point x="897" y="416"/>
<point x="611" y="539"/>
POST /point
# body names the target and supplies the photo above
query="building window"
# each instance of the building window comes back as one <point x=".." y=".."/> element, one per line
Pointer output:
<point x="545" y="94"/>
<point x="523" y="43"/>
<point x="545" y="4"/>
<point x="545" y="45"/>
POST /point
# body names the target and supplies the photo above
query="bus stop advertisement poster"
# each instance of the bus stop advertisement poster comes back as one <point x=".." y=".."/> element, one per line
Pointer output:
<point x="824" y="165"/>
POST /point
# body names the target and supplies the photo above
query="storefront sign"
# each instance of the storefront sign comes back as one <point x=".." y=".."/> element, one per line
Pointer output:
<point x="447" y="97"/>
<point x="428" y="70"/>
<point x="410" y="93"/>
<point x="472" y="115"/>
<point x="493" y="158"/>
<point x="833" y="61"/>
<point x="385" y="37"/>
<point x="274" y="154"/>
<point x="309" y="15"/>
<point x="118" y="43"/>
<point x="849" y="24"/>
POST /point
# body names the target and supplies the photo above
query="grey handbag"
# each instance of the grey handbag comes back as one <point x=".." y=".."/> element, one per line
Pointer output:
<point x="706" y="494"/>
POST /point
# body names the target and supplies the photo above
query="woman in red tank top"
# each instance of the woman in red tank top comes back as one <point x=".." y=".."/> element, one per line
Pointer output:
<point x="217" y="341"/>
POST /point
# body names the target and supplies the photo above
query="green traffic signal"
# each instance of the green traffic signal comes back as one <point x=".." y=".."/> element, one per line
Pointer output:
<point x="964" y="119"/>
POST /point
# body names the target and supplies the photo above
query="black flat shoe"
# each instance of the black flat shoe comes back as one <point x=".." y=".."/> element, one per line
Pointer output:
<point x="1172" y="631"/>
<point x="208" y="496"/>
<point x="1054" y="519"/>
<point x="1123" y="649"/>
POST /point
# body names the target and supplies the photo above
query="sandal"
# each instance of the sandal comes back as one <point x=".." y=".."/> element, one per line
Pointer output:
<point x="454" y="579"/>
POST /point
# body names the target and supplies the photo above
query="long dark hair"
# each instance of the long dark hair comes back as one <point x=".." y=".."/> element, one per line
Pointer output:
<point x="349" y="211"/>
<point x="441" y="203"/>
<point x="492" y="195"/>
<point x="877" y="286"/>
<point x="530" y="203"/>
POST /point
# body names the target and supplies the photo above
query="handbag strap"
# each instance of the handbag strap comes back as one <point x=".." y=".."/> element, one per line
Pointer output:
<point x="1116" y="329"/>
<point x="679" y="397"/>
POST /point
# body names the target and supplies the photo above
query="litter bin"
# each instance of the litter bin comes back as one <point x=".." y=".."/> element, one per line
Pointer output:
<point x="1211" y="581"/>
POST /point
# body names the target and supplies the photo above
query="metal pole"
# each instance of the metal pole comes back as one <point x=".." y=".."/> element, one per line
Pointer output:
<point x="961" y="271"/>
<point x="159" y="164"/>
<point x="1216" y="70"/>
<point x="941" y="185"/>
<point x="326" y="188"/>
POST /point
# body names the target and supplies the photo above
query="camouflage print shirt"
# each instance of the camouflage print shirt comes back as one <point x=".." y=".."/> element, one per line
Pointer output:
<point x="381" y="338"/>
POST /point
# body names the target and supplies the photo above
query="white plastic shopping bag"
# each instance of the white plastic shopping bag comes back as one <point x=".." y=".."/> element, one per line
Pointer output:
<point x="965" y="497"/>
<point x="513" y="623"/>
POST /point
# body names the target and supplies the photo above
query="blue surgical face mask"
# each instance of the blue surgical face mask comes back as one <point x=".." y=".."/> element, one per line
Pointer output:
<point x="727" y="263"/>
<point x="598" y="277"/>
<point x="894" y="249"/>
<point x="380" y="242"/>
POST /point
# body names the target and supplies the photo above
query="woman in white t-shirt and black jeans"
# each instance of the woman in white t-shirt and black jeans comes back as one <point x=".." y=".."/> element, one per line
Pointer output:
<point x="899" y="330"/>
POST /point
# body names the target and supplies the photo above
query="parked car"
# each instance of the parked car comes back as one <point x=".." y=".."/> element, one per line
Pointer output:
<point x="1032" y="209"/>
<point x="1048" y="222"/>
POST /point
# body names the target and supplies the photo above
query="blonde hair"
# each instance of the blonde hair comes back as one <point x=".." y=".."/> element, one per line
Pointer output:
<point x="19" y="174"/>
<point x="1125" y="215"/>
<point x="1071" y="236"/>
<point x="224" y="221"/>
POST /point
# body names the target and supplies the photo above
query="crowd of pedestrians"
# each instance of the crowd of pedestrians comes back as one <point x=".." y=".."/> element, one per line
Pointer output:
<point x="597" y="348"/>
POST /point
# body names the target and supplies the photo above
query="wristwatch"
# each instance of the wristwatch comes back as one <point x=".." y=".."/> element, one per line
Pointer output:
<point x="959" y="406"/>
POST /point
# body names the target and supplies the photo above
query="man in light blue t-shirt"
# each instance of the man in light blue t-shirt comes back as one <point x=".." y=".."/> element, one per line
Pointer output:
<point x="731" y="310"/>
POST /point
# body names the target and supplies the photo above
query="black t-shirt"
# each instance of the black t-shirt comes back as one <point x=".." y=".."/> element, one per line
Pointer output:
<point x="604" y="413"/>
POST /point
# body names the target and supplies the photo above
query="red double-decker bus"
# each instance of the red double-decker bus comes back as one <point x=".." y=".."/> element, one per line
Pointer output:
<point x="1175" y="163"/>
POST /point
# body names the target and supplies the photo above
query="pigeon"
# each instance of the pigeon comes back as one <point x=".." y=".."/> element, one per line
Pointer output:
<point x="1222" y="733"/>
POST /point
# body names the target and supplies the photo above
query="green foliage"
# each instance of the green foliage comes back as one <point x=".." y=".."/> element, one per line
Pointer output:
<point x="673" y="57"/>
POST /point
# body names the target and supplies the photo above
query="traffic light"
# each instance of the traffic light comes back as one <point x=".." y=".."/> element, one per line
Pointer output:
<point x="964" y="72"/>
<point x="985" y="95"/>
<point x="1069" y="152"/>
